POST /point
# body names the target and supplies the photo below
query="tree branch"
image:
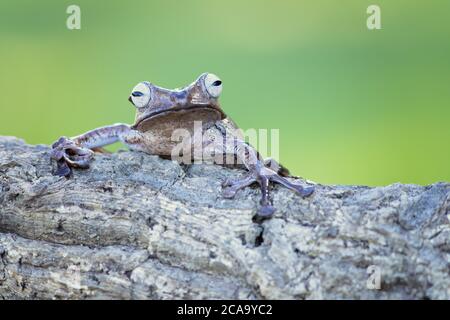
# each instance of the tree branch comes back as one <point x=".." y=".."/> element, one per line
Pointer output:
<point x="136" y="226"/>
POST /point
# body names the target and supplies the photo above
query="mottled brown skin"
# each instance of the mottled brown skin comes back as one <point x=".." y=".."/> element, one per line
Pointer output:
<point x="160" y="112"/>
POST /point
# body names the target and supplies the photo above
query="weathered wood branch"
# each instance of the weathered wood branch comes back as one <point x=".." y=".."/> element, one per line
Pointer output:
<point x="137" y="226"/>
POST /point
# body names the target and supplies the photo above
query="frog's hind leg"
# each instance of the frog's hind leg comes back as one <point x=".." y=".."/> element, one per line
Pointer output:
<point x="258" y="171"/>
<point x="263" y="173"/>
<point x="78" y="152"/>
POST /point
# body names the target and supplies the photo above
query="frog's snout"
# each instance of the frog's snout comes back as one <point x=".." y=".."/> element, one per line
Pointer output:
<point x="129" y="99"/>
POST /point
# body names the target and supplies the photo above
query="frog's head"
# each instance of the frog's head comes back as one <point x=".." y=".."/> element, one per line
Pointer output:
<point x="197" y="101"/>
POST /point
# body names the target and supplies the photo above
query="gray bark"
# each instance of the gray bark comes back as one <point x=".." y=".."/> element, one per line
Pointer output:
<point x="135" y="226"/>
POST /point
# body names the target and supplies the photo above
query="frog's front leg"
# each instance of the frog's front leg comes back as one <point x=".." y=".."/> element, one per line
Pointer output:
<point x="78" y="152"/>
<point x="260" y="172"/>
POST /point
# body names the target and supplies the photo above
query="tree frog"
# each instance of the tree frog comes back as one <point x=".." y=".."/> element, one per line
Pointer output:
<point x="160" y="113"/>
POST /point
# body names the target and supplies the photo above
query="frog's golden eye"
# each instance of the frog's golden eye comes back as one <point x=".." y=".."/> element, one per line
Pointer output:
<point x="140" y="96"/>
<point x="213" y="85"/>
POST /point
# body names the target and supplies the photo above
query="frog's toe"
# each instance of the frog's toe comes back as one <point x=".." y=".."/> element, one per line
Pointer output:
<point x="304" y="192"/>
<point x="63" y="169"/>
<point x="57" y="154"/>
<point x="231" y="187"/>
<point x="307" y="191"/>
<point x="263" y="213"/>
<point x="228" y="182"/>
<point x="229" y="192"/>
<point x="300" y="190"/>
<point x="266" y="211"/>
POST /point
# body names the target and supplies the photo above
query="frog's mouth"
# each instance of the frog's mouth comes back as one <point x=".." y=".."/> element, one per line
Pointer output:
<point x="200" y="112"/>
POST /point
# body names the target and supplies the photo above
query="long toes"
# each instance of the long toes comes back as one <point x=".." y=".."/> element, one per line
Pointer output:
<point x="229" y="192"/>
<point x="57" y="154"/>
<point x="306" y="192"/>
<point x="230" y="186"/>
<point x="59" y="142"/>
<point x="266" y="211"/>
<point x="69" y="155"/>
<point x="63" y="169"/>
<point x="302" y="191"/>
<point x="79" y="151"/>
<point x="227" y="183"/>
<point x="81" y="164"/>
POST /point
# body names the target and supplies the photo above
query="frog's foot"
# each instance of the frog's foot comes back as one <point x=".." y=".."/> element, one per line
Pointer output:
<point x="68" y="154"/>
<point x="266" y="210"/>
<point x="231" y="187"/>
<point x="263" y="178"/>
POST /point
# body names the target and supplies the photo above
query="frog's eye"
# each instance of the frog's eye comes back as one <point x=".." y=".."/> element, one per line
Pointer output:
<point x="140" y="96"/>
<point x="213" y="85"/>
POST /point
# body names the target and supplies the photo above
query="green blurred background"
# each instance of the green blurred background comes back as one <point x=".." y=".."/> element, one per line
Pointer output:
<point x="353" y="106"/>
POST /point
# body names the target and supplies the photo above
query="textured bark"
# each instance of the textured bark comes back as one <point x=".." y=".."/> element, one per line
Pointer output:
<point x="136" y="226"/>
